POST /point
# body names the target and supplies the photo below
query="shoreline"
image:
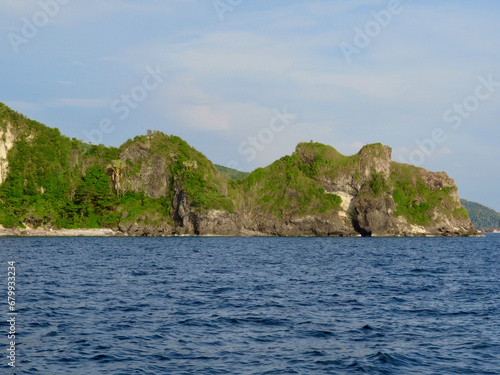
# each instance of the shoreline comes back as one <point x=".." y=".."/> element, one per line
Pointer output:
<point x="106" y="232"/>
<point x="43" y="232"/>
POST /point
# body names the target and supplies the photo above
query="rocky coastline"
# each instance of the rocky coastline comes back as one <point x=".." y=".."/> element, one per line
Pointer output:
<point x="157" y="185"/>
<point x="142" y="231"/>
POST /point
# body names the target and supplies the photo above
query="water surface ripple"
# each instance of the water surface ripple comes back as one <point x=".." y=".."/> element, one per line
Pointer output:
<point x="255" y="305"/>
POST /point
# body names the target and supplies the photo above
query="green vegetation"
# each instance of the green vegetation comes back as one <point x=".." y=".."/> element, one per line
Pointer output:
<point x="378" y="184"/>
<point x="202" y="182"/>
<point x="94" y="202"/>
<point x="291" y="186"/>
<point x="66" y="183"/>
<point x="55" y="181"/>
<point x="40" y="178"/>
<point x="317" y="159"/>
<point x="233" y="174"/>
<point x="134" y="206"/>
<point x="414" y="200"/>
<point x="483" y="217"/>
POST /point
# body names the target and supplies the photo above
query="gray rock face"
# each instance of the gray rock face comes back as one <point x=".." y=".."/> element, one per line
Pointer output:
<point x="145" y="230"/>
<point x="175" y="190"/>
<point x="362" y="212"/>
<point x="216" y="222"/>
<point x="153" y="177"/>
<point x="322" y="225"/>
<point x="375" y="216"/>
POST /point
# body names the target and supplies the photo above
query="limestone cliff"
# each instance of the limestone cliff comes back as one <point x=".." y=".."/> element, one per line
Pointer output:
<point x="168" y="188"/>
<point x="377" y="197"/>
<point x="6" y="143"/>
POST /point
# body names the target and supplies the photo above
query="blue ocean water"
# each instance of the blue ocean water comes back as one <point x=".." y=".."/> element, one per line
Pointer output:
<point x="254" y="305"/>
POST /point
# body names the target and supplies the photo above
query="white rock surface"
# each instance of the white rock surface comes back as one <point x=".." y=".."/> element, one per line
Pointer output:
<point x="6" y="143"/>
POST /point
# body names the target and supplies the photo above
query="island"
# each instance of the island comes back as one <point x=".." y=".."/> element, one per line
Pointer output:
<point x="158" y="185"/>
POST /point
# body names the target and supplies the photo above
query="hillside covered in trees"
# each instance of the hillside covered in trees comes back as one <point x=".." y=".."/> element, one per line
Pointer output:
<point x="483" y="217"/>
<point x="156" y="184"/>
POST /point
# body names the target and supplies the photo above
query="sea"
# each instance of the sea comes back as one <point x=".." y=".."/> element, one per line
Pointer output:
<point x="217" y="305"/>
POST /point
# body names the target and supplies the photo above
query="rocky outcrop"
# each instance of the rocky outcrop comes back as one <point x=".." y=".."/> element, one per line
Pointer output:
<point x="6" y="142"/>
<point x="217" y="223"/>
<point x="190" y="221"/>
<point x="145" y="230"/>
<point x="150" y="173"/>
<point x="375" y="216"/>
<point x="378" y="215"/>
<point x="184" y="215"/>
<point x="168" y="188"/>
<point x="319" y="225"/>
<point x="366" y="184"/>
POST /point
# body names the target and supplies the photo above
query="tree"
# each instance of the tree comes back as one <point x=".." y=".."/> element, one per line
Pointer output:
<point x="116" y="168"/>
<point x="93" y="195"/>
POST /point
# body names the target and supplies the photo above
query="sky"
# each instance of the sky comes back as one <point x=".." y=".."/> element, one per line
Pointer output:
<point x="244" y="81"/>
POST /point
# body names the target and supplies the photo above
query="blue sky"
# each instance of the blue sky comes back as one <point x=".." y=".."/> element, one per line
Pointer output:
<point x="245" y="81"/>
